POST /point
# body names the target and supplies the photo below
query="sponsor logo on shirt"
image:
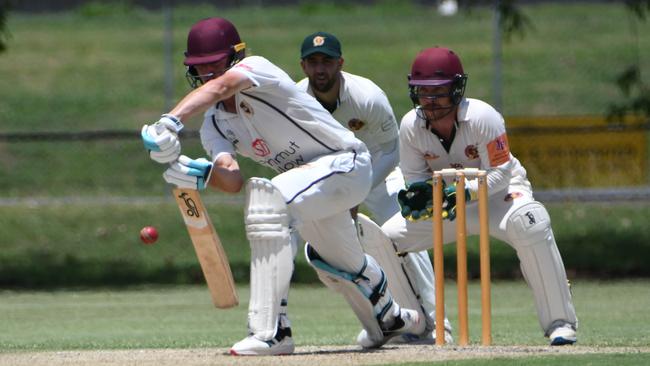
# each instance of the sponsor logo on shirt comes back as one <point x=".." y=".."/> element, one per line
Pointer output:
<point x="388" y="124"/>
<point x="356" y="124"/>
<point x="512" y="196"/>
<point x="246" y="108"/>
<point x="286" y="159"/>
<point x="430" y="156"/>
<point x="260" y="147"/>
<point x="471" y="151"/>
<point x="230" y="135"/>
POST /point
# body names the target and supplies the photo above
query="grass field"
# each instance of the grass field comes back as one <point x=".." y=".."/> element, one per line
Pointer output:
<point x="612" y="315"/>
<point x="96" y="242"/>
<point x="101" y="68"/>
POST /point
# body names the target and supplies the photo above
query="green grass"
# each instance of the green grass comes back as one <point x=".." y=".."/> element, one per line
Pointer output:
<point x="611" y="315"/>
<point x="97" y="243"/>
<point x="107" y="72"/>
<point x="101" y="68"/>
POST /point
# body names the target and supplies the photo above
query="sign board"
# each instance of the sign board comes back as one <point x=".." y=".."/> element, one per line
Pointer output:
<point x="580" y="151"/>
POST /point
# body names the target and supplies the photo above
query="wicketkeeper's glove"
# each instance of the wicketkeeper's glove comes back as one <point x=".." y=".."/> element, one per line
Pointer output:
<point x="449" y="201"/>
<point x="416" y="201"/>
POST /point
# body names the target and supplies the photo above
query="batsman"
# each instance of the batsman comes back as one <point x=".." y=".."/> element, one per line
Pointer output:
<point x="447" y="130"/>
<point x="254" y="109"/>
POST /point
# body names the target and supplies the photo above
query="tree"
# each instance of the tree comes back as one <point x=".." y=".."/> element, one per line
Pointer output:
<point x="511" y="20"/>
<point x="629" y="81"/>
<point x="4" y="33"/>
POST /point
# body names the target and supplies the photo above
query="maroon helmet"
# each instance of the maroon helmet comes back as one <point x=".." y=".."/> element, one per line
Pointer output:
<point x="211" y="40"/>
<point x="437" y="66"/>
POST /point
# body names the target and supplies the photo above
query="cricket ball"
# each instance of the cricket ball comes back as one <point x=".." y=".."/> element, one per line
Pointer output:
<point x="148" y="234"/>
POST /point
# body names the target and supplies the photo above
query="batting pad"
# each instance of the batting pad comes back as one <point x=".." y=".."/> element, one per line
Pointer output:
<point x="267" y="230"/>
<point x="529" y="232"/>
<point x="404" y="289"/>
<point x="355" y="295"/>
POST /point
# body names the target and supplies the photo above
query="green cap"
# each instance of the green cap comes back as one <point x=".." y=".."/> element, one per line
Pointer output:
<point x="321" y="42"/>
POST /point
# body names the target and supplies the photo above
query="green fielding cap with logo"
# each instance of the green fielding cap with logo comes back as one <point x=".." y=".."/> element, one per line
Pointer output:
<point x="320" y="42"/>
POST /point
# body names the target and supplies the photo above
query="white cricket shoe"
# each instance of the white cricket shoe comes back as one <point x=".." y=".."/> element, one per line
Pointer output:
<point x="282" y="344"/>
<point x="424" y="338"/>
<point x="563" y="335"/>
<point x="407" y="320"/>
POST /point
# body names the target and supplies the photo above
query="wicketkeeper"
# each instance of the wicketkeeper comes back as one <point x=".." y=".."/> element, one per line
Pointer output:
<point x="254" y="109"/>
<point x="447" y="130"/>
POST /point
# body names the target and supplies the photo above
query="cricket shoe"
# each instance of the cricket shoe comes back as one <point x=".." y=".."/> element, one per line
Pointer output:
<point x="407" y="320"/>
<point x="563" y="335"/>
<point x="281" y="344"/>
<point x="425" y="338"/>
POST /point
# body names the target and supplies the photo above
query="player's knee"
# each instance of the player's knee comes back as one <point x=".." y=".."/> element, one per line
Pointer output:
<point x="529" y="224"/>
<point x="394" y="227"/>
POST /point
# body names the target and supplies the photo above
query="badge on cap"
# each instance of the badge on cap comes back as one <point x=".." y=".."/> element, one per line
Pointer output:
<point x="319" y="41"/>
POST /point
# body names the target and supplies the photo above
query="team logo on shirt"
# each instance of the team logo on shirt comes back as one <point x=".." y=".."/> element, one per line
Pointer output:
<point x="512" y="195"/>
<point x="246" y="108"/>
<point x="430" y="156"/>
<point x="318" y="41"/>
<point x="260" y="147"/>
<point x="356" y="124"/>
<point x="471" y="151"/>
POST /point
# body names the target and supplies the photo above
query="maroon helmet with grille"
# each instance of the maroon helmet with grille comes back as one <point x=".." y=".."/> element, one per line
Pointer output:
<point x="437" y="66"/>
<point x="211" y="40"/>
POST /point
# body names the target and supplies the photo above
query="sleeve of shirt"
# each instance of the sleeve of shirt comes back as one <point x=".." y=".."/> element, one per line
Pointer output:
<point x="381" y="118"/>
<point x="214" y="143"/>
<point x="303" y="84"/>
<point x="412" y="163"/>
<point x="258" y="70"/>
<point x="494" y="151"/>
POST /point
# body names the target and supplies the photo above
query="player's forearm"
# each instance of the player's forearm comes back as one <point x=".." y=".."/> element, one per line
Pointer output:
<point x="221" y="88"/>
<point x="198" y="101"/>
<point x="226" y="180"/>
<point x="226" y="175"/>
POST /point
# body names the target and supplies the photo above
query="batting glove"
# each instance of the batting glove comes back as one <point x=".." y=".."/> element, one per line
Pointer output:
<point x="449" y="201"/>
<point x="189" y="173"/>
<point x="416" y="201"/>
<point x="161" y="139"/>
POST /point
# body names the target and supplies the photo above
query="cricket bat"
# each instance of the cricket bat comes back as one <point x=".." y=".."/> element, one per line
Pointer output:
<point x="209" y="250"/>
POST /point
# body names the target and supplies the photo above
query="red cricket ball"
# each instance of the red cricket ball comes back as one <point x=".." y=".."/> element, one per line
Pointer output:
<point x="148" y="234"/>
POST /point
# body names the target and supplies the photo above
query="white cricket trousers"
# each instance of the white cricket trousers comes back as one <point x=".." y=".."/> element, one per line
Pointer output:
<point x="319" y="196"/>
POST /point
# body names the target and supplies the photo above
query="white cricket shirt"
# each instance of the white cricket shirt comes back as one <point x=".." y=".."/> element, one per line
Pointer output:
<point x="480" y="142"/>
<point x="363" y="109"/>
<point x="276" y="124"/>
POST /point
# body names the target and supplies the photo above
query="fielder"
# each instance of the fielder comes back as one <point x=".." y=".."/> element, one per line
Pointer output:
<point x="362" y="107"/>
<point x="446" y="130"/>
<point x="253" y="108"/>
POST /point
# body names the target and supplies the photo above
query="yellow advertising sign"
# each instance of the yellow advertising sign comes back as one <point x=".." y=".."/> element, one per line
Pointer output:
<point x="580" y="151"/>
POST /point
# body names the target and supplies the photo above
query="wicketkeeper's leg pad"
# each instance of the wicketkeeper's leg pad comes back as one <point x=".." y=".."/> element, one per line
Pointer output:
<point x="267" y="229"/>
<point x="366" y="292"/>
<point x="405" y="284"/>
<point x="529" y="232"/>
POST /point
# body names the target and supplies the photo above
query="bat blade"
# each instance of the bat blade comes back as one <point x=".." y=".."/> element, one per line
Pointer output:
<point x="209" y="251"/>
